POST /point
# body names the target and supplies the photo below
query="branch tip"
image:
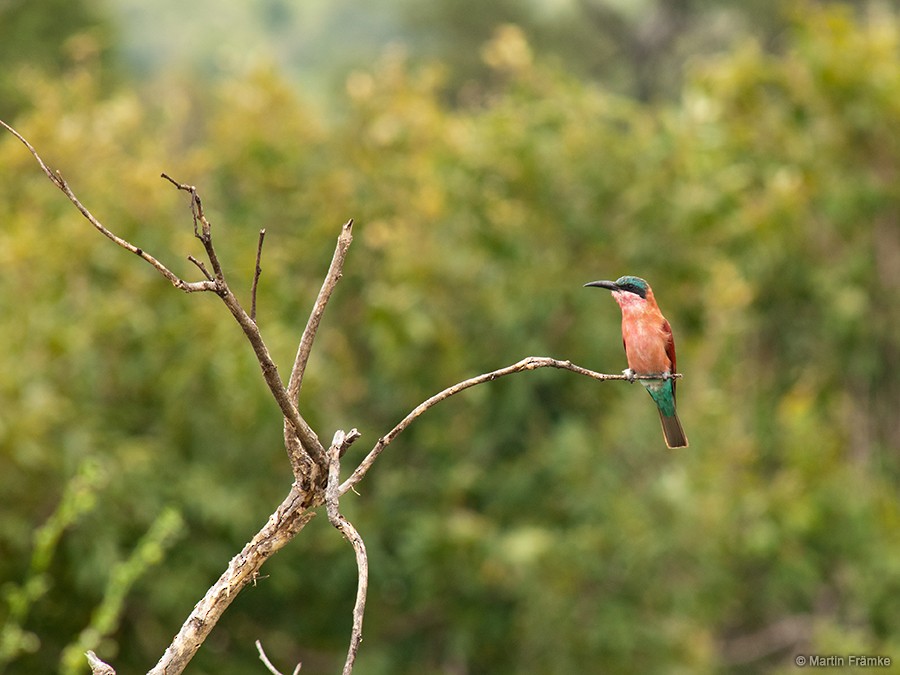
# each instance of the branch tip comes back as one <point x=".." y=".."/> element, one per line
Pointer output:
<point x="180" y="186"/>
<point x="256" y="273"/>
<point x="312" y="325"/>
<point x="98" y="667"/>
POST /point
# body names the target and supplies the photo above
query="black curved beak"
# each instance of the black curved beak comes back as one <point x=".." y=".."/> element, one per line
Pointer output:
<point x="608" y="285"/>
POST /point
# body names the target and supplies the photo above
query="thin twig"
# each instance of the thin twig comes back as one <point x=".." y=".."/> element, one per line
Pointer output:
<point x="58" y="181"/>
<point x="201" y="267"/>
<point x="256" y="273"/>
<point x="204" y="232"/>
<point x="529" y="363"/>
<point x="265" y="659"/>
<point x="196" y="204"/>
<point x="338" y="446"/>
<point x="312" y="325"/>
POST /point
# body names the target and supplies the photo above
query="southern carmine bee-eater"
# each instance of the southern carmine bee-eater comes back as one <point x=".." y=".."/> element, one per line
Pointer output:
<point x="649" y="348"/>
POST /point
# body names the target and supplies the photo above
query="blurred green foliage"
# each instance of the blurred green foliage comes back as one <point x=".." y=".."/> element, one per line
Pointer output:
<point x="49" y="38"/>
<point x="533" y="525"/>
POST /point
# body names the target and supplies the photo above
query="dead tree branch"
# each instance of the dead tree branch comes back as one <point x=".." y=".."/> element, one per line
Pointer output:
<point x="338" y="446"/>
<point x="528" y="363"/>
<point x="215" y="282"/>
<point x="308" y="441"/>
<point x="257" y="271"/>
<point x="58" y="181"/>
<point x="312" y="325"/>
<point x="291" y="441"/>
<point x="283" y="525"/>
<point x="317" y="471"/>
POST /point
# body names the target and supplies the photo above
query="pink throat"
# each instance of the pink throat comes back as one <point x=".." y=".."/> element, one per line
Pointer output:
<point x="626" y="299"/>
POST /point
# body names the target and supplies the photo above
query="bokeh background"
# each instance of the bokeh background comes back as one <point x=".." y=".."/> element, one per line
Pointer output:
<point x="743" y="157"/>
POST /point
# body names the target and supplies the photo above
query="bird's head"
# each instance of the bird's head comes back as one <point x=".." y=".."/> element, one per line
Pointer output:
<point x="626" y="284"/>
<point x="630" y="292"/>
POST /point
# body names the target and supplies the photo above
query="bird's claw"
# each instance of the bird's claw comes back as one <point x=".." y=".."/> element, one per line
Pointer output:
<point x="629" y="374"/>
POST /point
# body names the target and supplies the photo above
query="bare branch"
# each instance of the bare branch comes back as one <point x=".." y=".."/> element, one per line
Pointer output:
<point x="256" y="273"/>
<point x="196" y="204"/>
<point x="312" y="325"/>
<point x="294" y="512"/>
<point x="57" y="179"/>
<point x="529" y="363"/>
<point x="283" y="525"/>
<point x="338" y="446"/>
<point x="265" y="659"/>
<point x="204" y="232"/>
<point x="201" y="267"/>
<point x="215" y="283"/>
<point x="295" y="425"/>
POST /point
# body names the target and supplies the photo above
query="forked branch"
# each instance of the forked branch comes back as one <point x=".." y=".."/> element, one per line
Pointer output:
<point x="308" y="444"/>
<point x="58" y="181"/>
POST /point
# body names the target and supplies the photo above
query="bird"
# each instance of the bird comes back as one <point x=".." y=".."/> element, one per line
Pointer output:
<point x="649" y="349"/>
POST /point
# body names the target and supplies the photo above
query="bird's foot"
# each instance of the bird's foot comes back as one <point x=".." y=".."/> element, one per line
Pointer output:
<point x="667" y="375"/>
<point x="630" y="374"/>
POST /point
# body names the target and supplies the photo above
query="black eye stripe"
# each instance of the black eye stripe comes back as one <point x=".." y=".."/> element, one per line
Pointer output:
<point x="634" y="288"/>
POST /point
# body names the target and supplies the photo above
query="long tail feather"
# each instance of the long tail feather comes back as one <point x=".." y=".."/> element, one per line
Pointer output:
<point x="672" y="431"/>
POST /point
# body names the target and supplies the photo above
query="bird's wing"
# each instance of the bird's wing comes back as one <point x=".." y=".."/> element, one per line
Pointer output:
<point x="670" y="348"/>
